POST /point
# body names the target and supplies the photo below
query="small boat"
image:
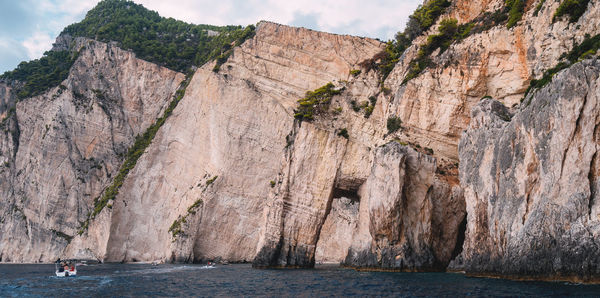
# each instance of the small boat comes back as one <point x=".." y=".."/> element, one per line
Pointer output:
<point x="65" y="268"/>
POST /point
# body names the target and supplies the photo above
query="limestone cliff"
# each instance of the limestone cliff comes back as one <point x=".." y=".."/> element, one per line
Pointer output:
<point x="498" y="62"/>
<point x="531" y="182"/>
<point x="59" y="150"/>
<point x="222" y="147"/>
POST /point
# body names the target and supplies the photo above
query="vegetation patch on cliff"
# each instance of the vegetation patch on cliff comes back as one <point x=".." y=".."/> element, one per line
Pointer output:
<point x="420" y="21"/>
<point x="62" y="235"/>
<point x="574" y="9"/>
<point x="176" y="227"/>
<point x="343" y="133"/>
<point x="450" y="32"/>
<point x="227" y="49"/>
<point x="588" y="47"/>
<point x="164" y="41"/>
<point x="39" y="75"/>
<point x="424" y="17"/>
<point x="517" y="9"/>
<point x="315" y="102"/>
<point x="393" y="124"/>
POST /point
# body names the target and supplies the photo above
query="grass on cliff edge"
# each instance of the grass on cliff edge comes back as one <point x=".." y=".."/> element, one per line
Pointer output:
<point x="315" y="102"/>
<point x="574" y="9"/>
<point x="164" y="41"/>
<point x="450" y="32"/>
<point x="176" y="227"/>
<point x="588" y="47"/>
<point x="39" y="75"/>
<point x="419" y="22"/>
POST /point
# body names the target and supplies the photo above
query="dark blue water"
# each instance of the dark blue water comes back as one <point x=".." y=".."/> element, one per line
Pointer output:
<point x="242" y="280"/>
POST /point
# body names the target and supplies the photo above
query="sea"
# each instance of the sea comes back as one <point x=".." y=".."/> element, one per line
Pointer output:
<point x="122" y="280"/>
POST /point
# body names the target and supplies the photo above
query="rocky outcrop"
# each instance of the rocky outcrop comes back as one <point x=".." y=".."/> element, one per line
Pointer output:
<point x="435" y="107"/>
<point x="7" y="100"/>
<point x="60" y="149"/>
<point x="531" y="182"/>
<point x="403" y="224"/>
<point x="232" y="175"/>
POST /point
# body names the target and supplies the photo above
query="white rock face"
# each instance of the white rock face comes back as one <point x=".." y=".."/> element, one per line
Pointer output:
<point x="232" y="127"/>
<point x="7" y="100"/>
<point x="404" y="221"/>
<point x="531" y="182"/>
<point x="335" y="237"/>
<point x="62" y="147"/>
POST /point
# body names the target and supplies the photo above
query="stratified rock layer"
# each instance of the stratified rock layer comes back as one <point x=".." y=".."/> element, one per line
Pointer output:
<point x="531" y="182"/>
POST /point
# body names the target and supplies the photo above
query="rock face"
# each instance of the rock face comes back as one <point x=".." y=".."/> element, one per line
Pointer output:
<point x="401" y="214"/>
<point x="232" y="176"/>
<point x="7" y="100"/>
<point x="531" y="182"/>
<point x="499" y="62"/>
<point x="335" y="237"/>
<point x="60" y="149"/>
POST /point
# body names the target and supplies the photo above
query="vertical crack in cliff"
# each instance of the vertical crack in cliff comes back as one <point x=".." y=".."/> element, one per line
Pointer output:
<point x="335" y="192"/>
<point x="527" y="205"/>
<point x="576" y="132"/>
<point x="322" y="222"/>
<point x="592" y="180"/>
<point x="16" y="134"/>
<point x="460" y="238"/>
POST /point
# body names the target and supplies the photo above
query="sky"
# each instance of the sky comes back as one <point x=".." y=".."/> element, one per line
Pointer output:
<point x="28" y="27"/>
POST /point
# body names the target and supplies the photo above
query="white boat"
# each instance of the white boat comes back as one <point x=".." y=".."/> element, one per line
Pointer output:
<point x="65" y="269"/>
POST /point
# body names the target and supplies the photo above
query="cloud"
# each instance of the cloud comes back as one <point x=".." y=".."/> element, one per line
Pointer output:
<point x="11" y="54"/>
<point x="376" y="18"/>
<point x="37" y="44"/>
<point x="309" y="20"/>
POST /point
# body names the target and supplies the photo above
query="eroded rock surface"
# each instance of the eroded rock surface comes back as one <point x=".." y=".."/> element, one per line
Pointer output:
<point x="401" y="224"/>
<point x="500" y="62"/>
<point x="531" y="182"/>
<point x="231" y="175"/>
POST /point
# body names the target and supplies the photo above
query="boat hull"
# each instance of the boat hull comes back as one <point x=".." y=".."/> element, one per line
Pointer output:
<point x="66" y="273"/>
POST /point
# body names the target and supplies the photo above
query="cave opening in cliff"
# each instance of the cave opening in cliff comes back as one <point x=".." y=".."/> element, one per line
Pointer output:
<point x="351" y="194"/>
<point x="460" y="238"/>
<point x="339" y="223"/>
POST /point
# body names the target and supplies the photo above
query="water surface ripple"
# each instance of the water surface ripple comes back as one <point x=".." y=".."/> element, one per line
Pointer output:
<point x="242" y="280"/>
